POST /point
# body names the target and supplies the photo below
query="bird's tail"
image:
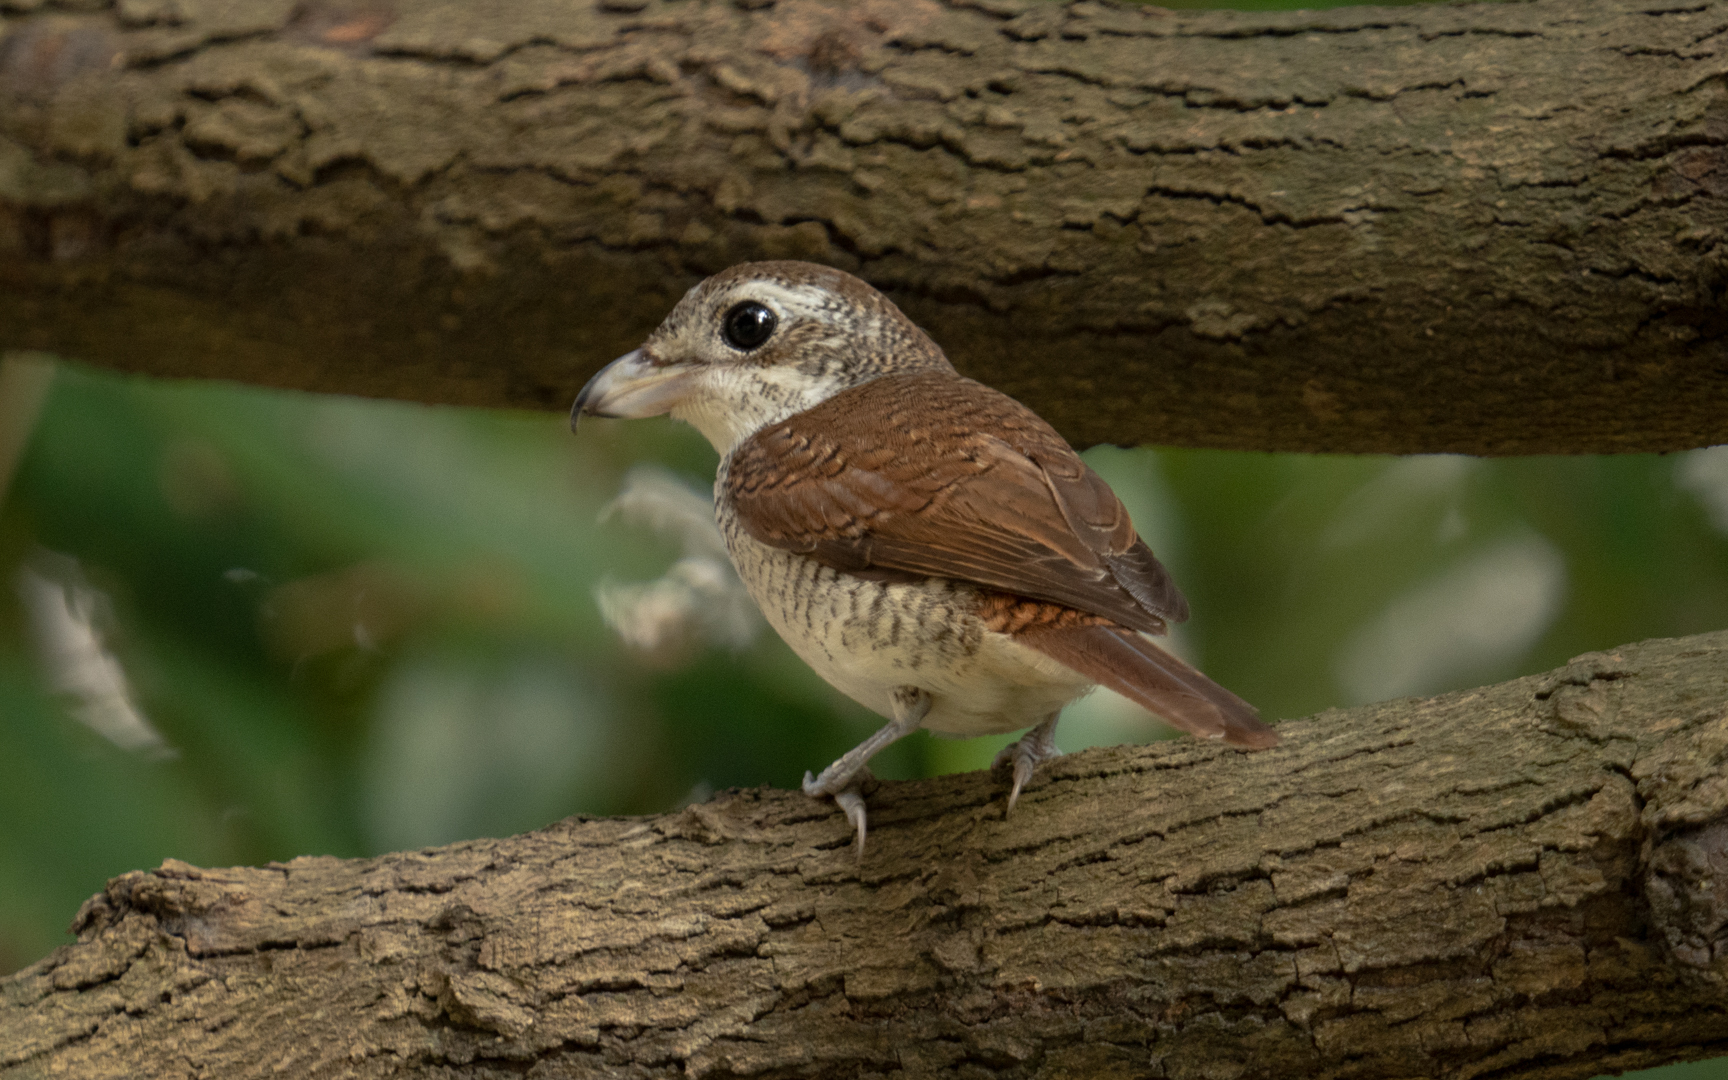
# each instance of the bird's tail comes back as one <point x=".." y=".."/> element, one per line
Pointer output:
<point x="1137" y="669"/>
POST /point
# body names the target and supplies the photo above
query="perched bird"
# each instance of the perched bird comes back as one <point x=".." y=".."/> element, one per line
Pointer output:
<point x="929" y="545"/>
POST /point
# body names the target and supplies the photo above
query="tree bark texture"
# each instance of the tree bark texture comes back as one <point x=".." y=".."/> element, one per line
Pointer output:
<point x="1489" y="229"/>
<point x="1525" y="880"/>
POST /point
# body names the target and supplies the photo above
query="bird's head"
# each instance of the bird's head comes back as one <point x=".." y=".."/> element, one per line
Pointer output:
<point x="756" y="344"/>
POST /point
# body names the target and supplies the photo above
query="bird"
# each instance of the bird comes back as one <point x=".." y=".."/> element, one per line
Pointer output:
<point x="930" y="546"/>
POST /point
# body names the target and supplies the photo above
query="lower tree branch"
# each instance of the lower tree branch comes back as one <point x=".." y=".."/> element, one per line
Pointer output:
<point x="1528" y="879"/>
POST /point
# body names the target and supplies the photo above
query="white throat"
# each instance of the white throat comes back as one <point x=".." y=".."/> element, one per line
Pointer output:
<point x="735" y="403"/>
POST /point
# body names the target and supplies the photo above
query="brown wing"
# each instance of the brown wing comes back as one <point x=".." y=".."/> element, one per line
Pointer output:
<point x="933" y="474"/>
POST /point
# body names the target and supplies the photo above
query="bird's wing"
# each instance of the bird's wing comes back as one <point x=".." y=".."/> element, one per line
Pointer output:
<point x="934" y="474"/>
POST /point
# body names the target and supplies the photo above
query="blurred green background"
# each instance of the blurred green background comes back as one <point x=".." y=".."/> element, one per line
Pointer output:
<point x="239" y="625"/>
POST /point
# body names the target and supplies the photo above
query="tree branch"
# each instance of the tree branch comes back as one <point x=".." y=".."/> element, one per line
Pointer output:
<point x="1525" y="880"/>
<point x="1490" y="229"/>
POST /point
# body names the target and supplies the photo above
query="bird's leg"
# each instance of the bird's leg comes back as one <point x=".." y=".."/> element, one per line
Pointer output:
<point x="1027" y="753"/>
<point x="911" y="705"/>
<point x="844" y="779"/>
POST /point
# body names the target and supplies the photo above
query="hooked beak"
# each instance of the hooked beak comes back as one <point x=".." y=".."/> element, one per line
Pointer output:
<point x="631" y="387"/>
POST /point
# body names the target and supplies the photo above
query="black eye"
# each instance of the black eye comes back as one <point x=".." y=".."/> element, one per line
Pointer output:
<point x="748" y="325"/>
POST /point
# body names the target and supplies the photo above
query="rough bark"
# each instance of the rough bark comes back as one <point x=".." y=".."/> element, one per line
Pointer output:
<point x="1525" y="880"/>
<point x="1488" y="229"/>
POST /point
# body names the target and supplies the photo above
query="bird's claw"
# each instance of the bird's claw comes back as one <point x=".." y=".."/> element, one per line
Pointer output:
<point x="1027" y="753"/>
<point x="849" y="796"/>
<point x="1024" y="766"/>
<point x="851" y="801"/>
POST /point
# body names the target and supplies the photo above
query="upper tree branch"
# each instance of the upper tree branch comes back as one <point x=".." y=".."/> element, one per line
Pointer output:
<point x="1490" y="228"/>
<point x="1526" y="880"/>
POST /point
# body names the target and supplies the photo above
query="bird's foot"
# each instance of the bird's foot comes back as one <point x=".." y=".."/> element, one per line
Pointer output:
<point x="848" y="795"/>
<point x="844" y="780"/>
<point x="1027" y="753"/>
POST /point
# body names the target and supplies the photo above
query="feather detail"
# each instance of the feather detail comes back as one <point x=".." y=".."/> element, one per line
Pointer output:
<point x="1005" y="614"/>
<point x="1142" y="672"/>
<point x="929" y="473"/>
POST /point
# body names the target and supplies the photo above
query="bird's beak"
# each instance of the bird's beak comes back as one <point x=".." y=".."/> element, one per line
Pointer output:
<point x="632" y="387"/>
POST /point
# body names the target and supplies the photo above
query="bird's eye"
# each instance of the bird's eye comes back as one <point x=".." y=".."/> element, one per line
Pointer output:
<point x="748" y="325"/>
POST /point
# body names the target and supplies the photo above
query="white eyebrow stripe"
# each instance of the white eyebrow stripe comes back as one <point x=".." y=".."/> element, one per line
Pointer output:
<point x="801" y="301"/>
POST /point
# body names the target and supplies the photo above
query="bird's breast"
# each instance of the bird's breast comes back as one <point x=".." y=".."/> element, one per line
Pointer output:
<point x="867" y="638"/>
